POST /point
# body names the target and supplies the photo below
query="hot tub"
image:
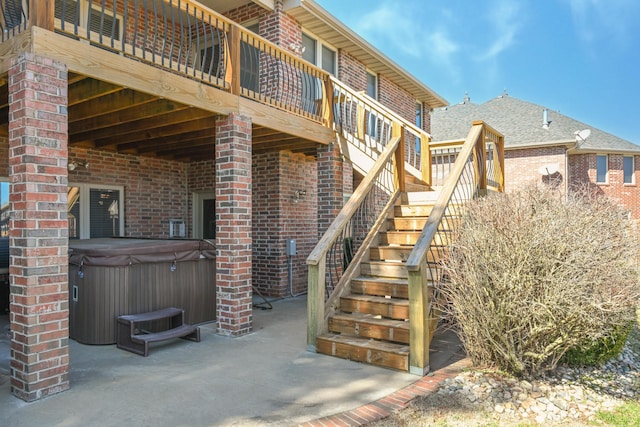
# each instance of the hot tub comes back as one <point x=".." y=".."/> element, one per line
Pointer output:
<point x="116" y="276"/>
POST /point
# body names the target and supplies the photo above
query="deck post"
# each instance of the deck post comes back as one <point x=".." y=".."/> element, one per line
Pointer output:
<point x="234" y="240"/>
<point x="38" y="242"/>
<point x="42" y="14"/>
<point x="419" y="328"/>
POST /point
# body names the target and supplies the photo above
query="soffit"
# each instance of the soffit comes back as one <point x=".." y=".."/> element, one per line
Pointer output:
<point x="322" y="24"/>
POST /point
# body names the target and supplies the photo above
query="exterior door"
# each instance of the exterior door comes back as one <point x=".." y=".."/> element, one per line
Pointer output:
<point x="204" y="216"/>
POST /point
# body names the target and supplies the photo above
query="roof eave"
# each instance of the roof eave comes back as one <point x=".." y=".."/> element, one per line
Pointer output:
<point x="351" y="42"/>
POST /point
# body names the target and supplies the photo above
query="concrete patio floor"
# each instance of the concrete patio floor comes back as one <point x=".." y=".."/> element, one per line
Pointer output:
<point x="264" y="378"/>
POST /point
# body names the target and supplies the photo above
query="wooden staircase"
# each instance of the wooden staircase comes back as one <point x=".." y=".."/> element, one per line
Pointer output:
<point x="372" y="324"/>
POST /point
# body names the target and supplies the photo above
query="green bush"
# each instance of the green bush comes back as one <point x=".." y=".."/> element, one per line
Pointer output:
<point x="531" y="276"/>
<point x="589" y="353"/>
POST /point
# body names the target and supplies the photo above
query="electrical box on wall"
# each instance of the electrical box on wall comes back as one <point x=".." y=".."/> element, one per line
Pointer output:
<point x="177" y="228"/>
<point x="291" y="247"/>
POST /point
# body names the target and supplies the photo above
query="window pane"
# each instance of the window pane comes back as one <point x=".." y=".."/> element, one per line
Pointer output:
<point x="73" y="212"/>
<point x="71" y="10"/>
<point x="328" y="60"/>
<point x="104" y="213"/>
<point x="372" y="85"/>
<point x="601" y="169"/>
<point x="104" y="24"/>
<point x="628" y="169"/>
<point x="308" y="49"/>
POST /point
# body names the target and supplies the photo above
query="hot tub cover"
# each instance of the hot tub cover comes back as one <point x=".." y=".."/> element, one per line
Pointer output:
<point x="122" y="251"/>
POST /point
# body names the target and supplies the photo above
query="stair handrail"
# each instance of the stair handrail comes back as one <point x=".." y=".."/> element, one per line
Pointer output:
<point x="468" y="179"/>
<point x="317" y="299"/>
<point x="418" y="161"/>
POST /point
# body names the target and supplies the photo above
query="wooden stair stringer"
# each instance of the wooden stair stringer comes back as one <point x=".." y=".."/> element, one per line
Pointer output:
<point x="370" y="323"/>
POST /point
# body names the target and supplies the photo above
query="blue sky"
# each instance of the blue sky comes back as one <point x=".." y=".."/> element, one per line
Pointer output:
<point x="578" y="57"/>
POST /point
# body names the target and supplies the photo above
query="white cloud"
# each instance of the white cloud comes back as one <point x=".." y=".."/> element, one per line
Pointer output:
<point x="505" y="20"/>
<point x="604" y="19"/>
<point x="406" y="30"/>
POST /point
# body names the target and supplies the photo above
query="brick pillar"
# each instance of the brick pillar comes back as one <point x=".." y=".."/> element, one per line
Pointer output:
<point x="330" y="181"/>
<point x="38" y="227"/>
<point x="233" y="217"/>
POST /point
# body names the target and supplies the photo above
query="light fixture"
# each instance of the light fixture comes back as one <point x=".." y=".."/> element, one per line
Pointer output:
<point x="299" y="194"/>
<point x="74" y="165"/>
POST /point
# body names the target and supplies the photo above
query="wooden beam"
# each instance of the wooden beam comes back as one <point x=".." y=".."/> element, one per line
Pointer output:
<point x="109" y="103"/>
<point x="127" y="115"/>
<point x="121" y="70"/>
<point x="86" y="89"/>
<point x="132" y="134"/>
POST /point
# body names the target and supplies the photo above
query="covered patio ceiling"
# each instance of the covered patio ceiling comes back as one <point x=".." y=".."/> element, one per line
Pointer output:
<point x="109" y="117"/>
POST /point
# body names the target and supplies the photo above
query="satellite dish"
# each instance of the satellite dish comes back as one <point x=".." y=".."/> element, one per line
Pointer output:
<point x="550" y="169"/>
<point x="582" y="135"/>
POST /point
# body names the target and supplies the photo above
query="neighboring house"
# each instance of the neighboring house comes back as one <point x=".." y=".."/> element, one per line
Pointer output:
<point x="162" y="119"/>
<point x="542" y="145"/>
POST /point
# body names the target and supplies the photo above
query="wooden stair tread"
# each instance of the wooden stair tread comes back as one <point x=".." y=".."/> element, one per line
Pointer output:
<point x="381" y="286"/>
<point x="373" y="352"/>
<point x="368" y="318"/>
<point x="377" y="299"/>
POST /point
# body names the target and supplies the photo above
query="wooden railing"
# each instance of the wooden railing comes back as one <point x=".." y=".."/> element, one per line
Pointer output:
<point x="336" y="258"/>
<point x="185" y="37"/>
<point x="366" y="125"/>
<point x="478" y="167"/>
<point x="190" y="39"/>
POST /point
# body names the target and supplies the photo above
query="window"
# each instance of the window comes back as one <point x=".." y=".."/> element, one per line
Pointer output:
<point x="100" y="22"/>
<point x="250" y="63"/>
<point x="95" y="211"/>
<point x="372" y="91"/>
<point x="419" y="113"/>
<point x="4" y="209"/>
<point x="628" y="167"/>
<point x="318" y="53"/>
<point x="14" y="13"/>
<point x="602" y="167"/>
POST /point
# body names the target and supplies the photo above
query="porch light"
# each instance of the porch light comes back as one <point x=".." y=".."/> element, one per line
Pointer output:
<point x="74" y="165"/>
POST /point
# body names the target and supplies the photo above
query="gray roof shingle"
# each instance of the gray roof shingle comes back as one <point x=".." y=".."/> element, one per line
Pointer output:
<point x="521" y="124"/>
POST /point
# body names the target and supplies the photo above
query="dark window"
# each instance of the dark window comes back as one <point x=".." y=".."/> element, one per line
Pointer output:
<point x="628" y="169"/>
<point x="601" y="168"/>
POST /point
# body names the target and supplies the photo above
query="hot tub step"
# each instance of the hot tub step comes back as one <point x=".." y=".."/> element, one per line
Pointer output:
<point x="129" y="325"/>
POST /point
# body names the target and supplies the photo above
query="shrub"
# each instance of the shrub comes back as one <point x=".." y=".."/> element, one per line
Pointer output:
<point x="531" y="276"/>
<point x="588" y="353"/>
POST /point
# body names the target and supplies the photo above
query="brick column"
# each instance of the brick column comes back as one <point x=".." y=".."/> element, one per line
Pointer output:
<point x="330" y="181"/>
<point x="38" y="227"/>
<point x="233" y="217"/>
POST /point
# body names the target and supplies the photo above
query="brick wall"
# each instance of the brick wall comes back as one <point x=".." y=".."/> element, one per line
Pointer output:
<point x="522" y="167"/>
<point x="582" y="169"/>
<point x="396" y="98"/>
<point x="154" y="190"/>
<point x="233" y="217"/>
<point x="38" y="227"/>
<point x="278" y="215"/>
<point x="352" y="72"/>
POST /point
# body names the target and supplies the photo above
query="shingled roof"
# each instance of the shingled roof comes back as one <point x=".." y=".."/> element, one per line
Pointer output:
<point x="521" y="123"/>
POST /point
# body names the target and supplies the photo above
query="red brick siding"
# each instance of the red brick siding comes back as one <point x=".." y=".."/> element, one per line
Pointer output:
<point x="582" y="169"/>
<point x="352" y="72"/>
<point x="234" y="232"/>
<point x="278" y="216"/>
<point x="155" y="190"/>
<point x="246" y="13"/>
<point x="330" y="191"/>
<point x="522" y="167"/>
<point x="39" y="306"/>
<point x="396" y="98"/>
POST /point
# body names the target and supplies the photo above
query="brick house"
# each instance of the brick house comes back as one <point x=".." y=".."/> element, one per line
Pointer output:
<point x="545" y="146"/>
<point x="123" y="118"/>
